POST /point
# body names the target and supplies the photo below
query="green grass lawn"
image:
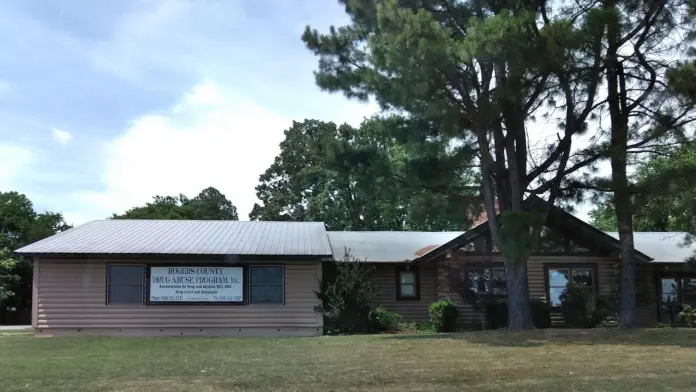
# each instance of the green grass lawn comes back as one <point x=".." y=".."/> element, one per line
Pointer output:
<point x="551" y="360"/>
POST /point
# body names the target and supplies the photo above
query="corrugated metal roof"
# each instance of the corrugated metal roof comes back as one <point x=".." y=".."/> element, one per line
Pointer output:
<point x="285" y="239"/>
<point x="116" y="236"/>
<point x="386" y="246"/>
<point x="662" y="247"/>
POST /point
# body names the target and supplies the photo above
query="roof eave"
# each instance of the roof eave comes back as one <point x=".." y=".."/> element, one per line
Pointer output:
<point x="177" y="256"/>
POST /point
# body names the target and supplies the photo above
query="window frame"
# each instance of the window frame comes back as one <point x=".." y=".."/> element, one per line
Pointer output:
<point x="143" y="284"/>
<point x="573" y="246"/>
<point x="492" y="265"/>
<point x="249" y="284"/>
<point x="593" y="267"/>
<point x="678" y="277"/>
<point x="416" y="284"/>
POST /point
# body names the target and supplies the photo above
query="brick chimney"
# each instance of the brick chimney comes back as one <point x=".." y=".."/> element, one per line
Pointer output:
<point x="483" y="216"/>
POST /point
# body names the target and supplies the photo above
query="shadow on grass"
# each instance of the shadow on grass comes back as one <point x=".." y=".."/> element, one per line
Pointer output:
<point x="636" y="337"/>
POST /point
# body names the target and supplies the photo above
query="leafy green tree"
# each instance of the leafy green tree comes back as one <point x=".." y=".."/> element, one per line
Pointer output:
<point x="347" y="296"/>
<point x="682" y="77"/>
<point x="642" y="110"/>
<point x="8" y="274"/>
<point x="362" y="179"/>
<point x="603" y="217"/>
<point x="481" y="71"/>
<point x="209" y="204"/>
<point x="664" y="186"/>
<point x="20" y="225"/>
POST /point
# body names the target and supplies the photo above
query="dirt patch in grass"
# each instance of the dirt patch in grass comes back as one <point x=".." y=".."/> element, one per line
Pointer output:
<point x="602" y="360"/>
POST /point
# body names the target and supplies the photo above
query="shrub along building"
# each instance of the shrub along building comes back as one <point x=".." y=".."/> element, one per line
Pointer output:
<point x="149" y="277"/>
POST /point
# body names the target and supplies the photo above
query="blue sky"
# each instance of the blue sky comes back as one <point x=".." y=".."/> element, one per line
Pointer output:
<point x="104" y="104"/>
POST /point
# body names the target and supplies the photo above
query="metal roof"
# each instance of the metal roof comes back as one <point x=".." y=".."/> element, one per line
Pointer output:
<point x="663" y="247"/>
<point x="387" y="246"/>
<point x="115" y="236"/>
<point x="189" y="237"/>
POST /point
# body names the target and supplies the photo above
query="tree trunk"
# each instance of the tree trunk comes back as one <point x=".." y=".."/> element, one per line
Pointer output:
<point x="628" y="279"/>
<point x="618" y="112"/>
<point x="519" y="312"/>
<point x="624" y="218"/>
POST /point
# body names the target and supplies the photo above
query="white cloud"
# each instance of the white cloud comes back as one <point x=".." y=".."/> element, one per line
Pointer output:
<point x="75" y="219"/>
<point x="61" y="136"/>
<point x="211" y="137"/>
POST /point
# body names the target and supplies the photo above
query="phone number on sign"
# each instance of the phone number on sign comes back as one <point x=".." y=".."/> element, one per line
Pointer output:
<point x="181" y="298"/>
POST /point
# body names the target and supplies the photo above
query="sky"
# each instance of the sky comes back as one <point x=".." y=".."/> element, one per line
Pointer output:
<point x="104" y="104"/>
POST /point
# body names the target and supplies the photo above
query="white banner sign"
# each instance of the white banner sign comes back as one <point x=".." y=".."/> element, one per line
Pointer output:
<point x="196" y="284"/>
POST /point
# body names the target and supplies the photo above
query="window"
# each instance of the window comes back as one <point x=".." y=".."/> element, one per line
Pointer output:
<point x="560" y="277"/>
<point x="407" y="284"/>
<point x="675" y="291"/>
<point x="124" y="284"/>
<point x="576" y="247"/>
<point x="486" y="280"/>
<point x="266" y="284"/>
<point x="551" y="241"/>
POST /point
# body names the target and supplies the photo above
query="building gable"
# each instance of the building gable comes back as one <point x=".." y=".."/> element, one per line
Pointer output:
<point x="563" y="233"/>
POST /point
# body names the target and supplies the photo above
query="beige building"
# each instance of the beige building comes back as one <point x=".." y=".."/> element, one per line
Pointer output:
<point x="157" y="277"/>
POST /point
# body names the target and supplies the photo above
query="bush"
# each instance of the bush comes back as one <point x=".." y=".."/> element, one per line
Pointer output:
<point x="347" y="294"/>
<point x="425" y="327"/>
<point x="581" y="308"/>
<point x="384" y="320"/>
<point x="496" y="311"/>
<point x="443" y="315"/>
<point x="688" y="315"/>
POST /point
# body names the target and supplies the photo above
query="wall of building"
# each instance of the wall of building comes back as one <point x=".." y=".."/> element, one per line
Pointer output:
<point x="70" y="298"/>
<point x="607" y="279"/>
<point x="384" y="275"/>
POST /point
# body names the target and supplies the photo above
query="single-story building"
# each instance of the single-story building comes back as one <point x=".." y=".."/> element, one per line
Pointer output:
<point x="169" y="277"/>
<point x="158" y="277"/>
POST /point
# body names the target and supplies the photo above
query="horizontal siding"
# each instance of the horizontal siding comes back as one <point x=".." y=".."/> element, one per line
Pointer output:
<point x="196" y="331"/>
<point x="646" y="290"/>
<point x="72" y="294"/>
<point x="607" y="268"/>
<point x="384" y="277"/>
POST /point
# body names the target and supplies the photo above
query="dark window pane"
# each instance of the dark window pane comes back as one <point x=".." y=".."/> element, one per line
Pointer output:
<point x="476" y="281"/>
<point x="582" y="277"/>
<point x="558" y="277"/>
<point x="499" y="287"/>
<point x="689" y="285"/>
<point x="266" y="295"/>
<point x="550" y="241"/>
<point x="407" y="278"/>
<point x="266" y="275"/>
<point x="125" y="274"/>
<point x="689" y="299"/>
<point x="498" y="282"/>
<point x="498" y="274"/>
<point x="486" y="280"/>
<point x="575" y="247"/>
<point x="125" y="294"/>
<point x="408" y="290"/>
